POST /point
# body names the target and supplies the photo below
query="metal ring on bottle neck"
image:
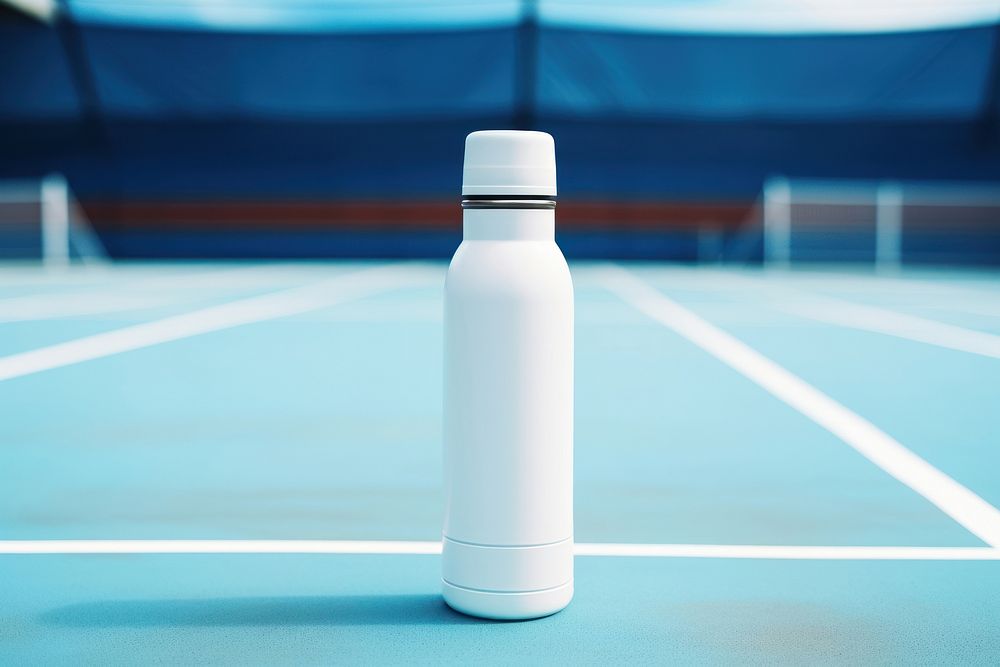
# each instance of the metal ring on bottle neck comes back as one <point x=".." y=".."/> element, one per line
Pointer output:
<point x="508" y="203"/>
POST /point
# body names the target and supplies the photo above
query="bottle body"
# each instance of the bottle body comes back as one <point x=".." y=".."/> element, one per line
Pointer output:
<point x="508" y="418"/>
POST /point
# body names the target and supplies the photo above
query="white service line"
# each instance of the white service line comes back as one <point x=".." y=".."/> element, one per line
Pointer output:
<point x="955" y="500"/>
<point x="386" y="547"/>
<point x="901" y="325"/>
<point x="270" y="306"/>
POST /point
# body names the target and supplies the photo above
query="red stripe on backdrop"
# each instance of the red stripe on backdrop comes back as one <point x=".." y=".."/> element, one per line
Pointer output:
<point x="401" y="215"/>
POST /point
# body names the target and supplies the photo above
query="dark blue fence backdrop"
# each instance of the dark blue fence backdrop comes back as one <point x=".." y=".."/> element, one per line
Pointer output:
<point x="195" y="142"/>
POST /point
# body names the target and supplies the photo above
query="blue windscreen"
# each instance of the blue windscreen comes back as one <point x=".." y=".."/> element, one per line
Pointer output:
<point x="924" y="74"/>
<point x="316" y="99"/>
<point x="35" y="79"/>
<point x="155" y="73"/>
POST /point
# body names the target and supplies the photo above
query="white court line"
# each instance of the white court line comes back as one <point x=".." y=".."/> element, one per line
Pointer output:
<point x="380" y="547"/>
<point x="900" y="325"/>
<point x="270" y="306"/>
<point x="983" y="290"/>
<point x="131" y="292"/>
<point x="53" y="306"/>
<point x="955" y="500"/>
<point x="174" y="275"/>
<point x="789" y="552"/>
<point x="969" y="308"/>
<point x="841" y="312"/>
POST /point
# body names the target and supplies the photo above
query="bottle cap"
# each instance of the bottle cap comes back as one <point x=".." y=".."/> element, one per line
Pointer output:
<point x="509" y="162"/>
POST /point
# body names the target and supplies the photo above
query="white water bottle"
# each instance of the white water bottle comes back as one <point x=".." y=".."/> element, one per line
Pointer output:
<point x="508" y="386"/>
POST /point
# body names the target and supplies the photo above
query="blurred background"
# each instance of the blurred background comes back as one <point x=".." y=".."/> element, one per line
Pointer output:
<point x="738" y="131"/>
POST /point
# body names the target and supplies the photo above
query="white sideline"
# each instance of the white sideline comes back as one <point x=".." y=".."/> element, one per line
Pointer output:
<point x="901" y="325"/>
<point x="283" y="303"/>
<point x="380" y="547"/>
<point x="955" y="500"/>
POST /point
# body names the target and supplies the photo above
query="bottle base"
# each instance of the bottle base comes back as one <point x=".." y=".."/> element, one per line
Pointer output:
<point x="507" y="606"/>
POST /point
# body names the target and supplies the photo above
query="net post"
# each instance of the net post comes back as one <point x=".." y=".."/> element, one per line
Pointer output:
<point x="777" y="222"/>
<point x="82" y="238"/>
<point x="888" y="226"/>
<point x="55" y="221"/>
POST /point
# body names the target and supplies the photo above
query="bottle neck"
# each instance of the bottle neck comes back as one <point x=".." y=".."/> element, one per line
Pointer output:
<point x="508" y="224"/>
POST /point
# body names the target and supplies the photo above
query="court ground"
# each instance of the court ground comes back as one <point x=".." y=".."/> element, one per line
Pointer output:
<point x="239" y="463"/>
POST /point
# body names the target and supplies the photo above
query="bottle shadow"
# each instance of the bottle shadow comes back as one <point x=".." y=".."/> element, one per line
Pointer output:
<point x="260" y="611"/>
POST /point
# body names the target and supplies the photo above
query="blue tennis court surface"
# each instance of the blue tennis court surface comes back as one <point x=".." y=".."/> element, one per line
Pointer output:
<point x="770" y="467"/>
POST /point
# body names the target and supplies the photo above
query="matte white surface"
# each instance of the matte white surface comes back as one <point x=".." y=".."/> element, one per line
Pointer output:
<point x="508" y="387"/>
<point x="508" y="417"/>
<point x="507" y="568"/>
<point x="509" y="162"/>
<point x="508" y="606"/>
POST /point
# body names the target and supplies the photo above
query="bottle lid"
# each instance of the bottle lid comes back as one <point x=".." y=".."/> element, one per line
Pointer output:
<point x="509" y="162"/>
